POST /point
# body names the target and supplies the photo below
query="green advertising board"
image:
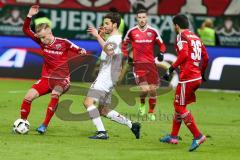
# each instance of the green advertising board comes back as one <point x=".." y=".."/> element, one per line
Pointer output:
<point x="73" y="23"/>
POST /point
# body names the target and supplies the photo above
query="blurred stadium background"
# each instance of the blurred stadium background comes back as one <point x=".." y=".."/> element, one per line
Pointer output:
<point x="20" y="59"/>
<point x="19" y="56"/>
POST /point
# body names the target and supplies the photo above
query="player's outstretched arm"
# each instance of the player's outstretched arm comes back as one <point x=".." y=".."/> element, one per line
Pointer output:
<point x="33" y="11"/>
<point x="26" y="26"/>
<point x="93" y="31"/>
<point x="74" y="48"/>
<point x="101" y="32"/>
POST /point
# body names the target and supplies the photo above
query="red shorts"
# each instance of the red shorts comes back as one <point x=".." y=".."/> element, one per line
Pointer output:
<point x="146" y="73"/>
<point x="185" y="92"/>
<point x="46" y="85"/>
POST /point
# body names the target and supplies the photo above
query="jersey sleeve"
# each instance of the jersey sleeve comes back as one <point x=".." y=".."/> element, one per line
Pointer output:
<point x="72" y="47"/>
<point x="125" y="43"/>
<point x="160" y="43"/>
<point x="182" y="51"/>
<point x="205" y="59"/>
<point x="28" y="32"/>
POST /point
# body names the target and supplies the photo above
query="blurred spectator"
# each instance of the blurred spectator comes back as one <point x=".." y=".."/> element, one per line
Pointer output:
<point x="144" y="4"/>
<point x="228" y="29"/>
<point x="40" y="18"/>
<point x="207" y="33"/>
<point x="14" y="18"/>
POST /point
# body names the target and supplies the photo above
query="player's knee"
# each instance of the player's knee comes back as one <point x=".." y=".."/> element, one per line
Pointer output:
<point x="153" y="93"/>
<point x="88" y="102"/>
<point x="144" y="88"/>
<point x="54" y="95"/>
<point x="30" y="97"/>
<point x="58" y="90"/>
<point x="31" y="94"/>
<point x="103" y="111"/>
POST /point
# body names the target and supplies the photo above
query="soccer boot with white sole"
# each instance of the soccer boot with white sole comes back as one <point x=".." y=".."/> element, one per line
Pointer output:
<point x="197" y="142"/>
<point x="169" y="139"/>
<point x="100" y="135"/>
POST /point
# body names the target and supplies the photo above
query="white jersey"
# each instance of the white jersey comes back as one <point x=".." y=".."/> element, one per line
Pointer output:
<point x="110" y="66"/>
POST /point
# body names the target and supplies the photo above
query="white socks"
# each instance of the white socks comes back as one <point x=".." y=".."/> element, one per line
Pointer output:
<point x="96" y="118"/>
<point x="115" y="116"/>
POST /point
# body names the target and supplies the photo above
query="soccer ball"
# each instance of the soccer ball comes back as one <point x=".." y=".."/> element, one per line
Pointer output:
<point x="21" y="126"/>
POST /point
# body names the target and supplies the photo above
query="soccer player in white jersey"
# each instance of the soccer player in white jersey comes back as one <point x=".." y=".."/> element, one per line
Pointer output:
<point x="101" y="90"/>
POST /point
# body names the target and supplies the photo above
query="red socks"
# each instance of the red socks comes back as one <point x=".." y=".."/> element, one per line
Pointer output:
<point x="25" y="108"/>
<point x="192" y="126"/>
<point x="188" y="119"/>
<point x="152" y="103"/>
<point x="177" y="121"/>
<point x="52" y="106"/>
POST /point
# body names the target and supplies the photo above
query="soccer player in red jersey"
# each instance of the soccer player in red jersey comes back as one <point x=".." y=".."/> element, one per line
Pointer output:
<point x="143" y="37"/>
<point x="192" y="60"/>
<point x="55" y="72"/>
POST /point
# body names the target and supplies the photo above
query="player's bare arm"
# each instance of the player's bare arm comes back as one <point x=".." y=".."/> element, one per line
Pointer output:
<point x="93" y="31"/>
<point x="26" y="26"/>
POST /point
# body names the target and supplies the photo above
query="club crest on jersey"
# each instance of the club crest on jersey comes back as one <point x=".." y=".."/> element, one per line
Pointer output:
<point x="149" y="34"/>
<point x="58" y="46"/>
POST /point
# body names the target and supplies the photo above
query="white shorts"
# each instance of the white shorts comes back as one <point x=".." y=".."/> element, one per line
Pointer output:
<point x="101" y="91"/>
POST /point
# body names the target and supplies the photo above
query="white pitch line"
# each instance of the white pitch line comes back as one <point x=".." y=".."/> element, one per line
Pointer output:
<point x="219" y="90"/>
<point x="17" y="91"/>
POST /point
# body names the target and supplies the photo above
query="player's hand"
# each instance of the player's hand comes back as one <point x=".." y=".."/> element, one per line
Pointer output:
<point x="166" y="76"/>
<point x="33" y="10"/>
<point x="101" y="31"/>
<point x="83" y="51"/>
<point x="93" y="31"/>
<point x="160" y="57"/>
<point x="168" y="73"/>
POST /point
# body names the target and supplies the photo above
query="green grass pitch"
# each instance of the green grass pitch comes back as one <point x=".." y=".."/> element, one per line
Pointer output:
<point x="217" y="115"/>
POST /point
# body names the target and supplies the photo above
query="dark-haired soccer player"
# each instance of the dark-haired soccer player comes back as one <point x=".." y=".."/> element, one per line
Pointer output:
<point x="55" y="72"/>
<point x="193" y="60"/>
<point x="101" y="89"/>
<point x="143" y="37"/>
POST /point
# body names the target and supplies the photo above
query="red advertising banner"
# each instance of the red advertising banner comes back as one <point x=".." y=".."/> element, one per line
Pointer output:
<point x="159" y="7"/>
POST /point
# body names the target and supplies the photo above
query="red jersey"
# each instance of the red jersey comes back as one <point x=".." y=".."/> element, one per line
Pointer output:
<point x="55" y="54"/>
<point x="192" y="56"/>
<point x="143" y="44"/>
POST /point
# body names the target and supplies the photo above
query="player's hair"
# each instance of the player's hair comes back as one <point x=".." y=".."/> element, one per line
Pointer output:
<point x="114" y="17"/>
<point x="141" y="11"/>
<point x="41" y="26"/>
<point x="181" y="20"/>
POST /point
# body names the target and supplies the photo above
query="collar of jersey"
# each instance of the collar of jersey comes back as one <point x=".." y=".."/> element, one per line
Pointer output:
<point x="144" y="29"/>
